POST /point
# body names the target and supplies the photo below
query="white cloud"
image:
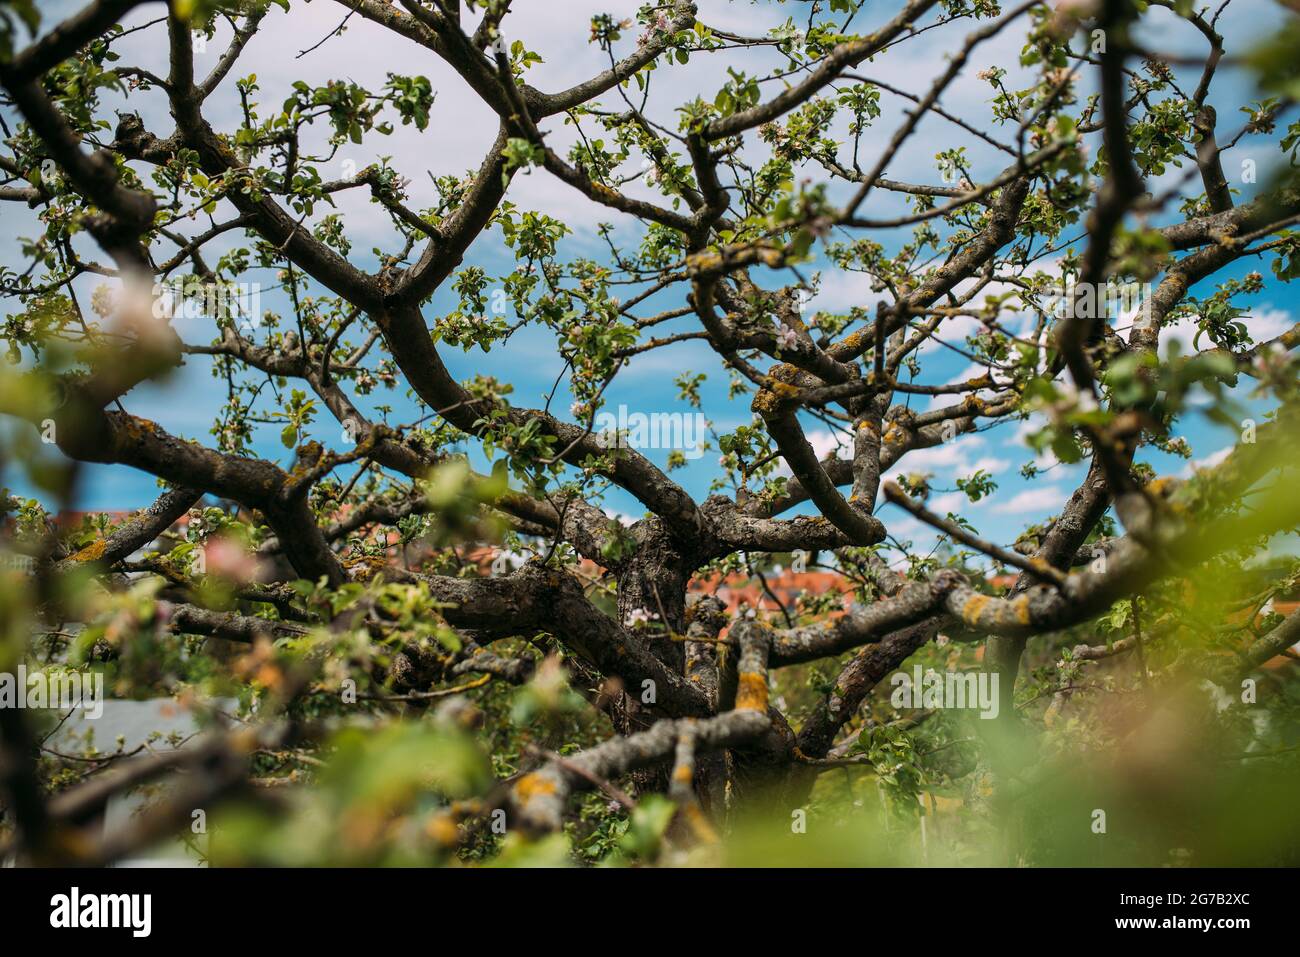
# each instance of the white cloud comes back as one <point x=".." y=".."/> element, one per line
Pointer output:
<point x="947" y="455"/>
<point x="1267" y="324"/>
<point x="909" y="527"/>
<point x="1035" y="423"/>
<point x="1042" y="500"/>
<point x="839" y="291"/>
<point x="1208" y="462"/>
<point x="1262" y="324"/>
<point x="989" y="463"/>
<point x="949" y="502"/>
<point x="623" y="518"/>
<point x="952" y="331"/>
<point x="824" y="440"/>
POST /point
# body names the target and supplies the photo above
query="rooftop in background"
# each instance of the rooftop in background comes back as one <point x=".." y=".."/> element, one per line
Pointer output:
<point x="782" y="587"/>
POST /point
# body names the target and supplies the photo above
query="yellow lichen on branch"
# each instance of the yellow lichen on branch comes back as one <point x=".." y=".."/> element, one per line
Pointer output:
<point x="533" y="785"/>
<point x="751" y="692"/>
<point x="92" y="552"/>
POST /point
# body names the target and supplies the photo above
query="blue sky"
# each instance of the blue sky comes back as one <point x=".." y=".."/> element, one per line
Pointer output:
<point x="460" y="132"/>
